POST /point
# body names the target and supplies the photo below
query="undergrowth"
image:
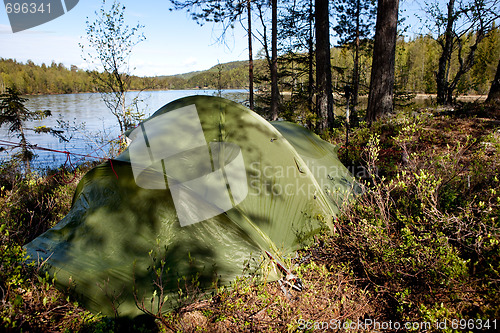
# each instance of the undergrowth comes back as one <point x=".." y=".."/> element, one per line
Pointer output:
<point x="29" y="205"/>
<point x="424" y="234"/>
<point x="420" y="244"/>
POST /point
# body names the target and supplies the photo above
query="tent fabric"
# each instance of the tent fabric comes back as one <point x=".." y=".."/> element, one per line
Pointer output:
<point x="205" y="187"/>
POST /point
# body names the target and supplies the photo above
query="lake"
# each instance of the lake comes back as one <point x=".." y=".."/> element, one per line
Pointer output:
<point x="89" y="124"/>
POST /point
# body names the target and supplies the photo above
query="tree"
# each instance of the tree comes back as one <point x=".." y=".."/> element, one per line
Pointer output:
<point x="380" y="98"/>
<point x="275" y="94"/>
<point x="250" y="56"/>
<point x="111" y="42"/>
<point x="225" y="13"/>
<point x="467" y="20"/>
<point x="485" y="64"/>
<point x="324" y="97"/>
<point x="269" y="53"/>
<point x="354" y="24"/>
<point x="310" y="54"/>
<point x="296" y="36"/>
<point x="14" y="114"/>
<point x="494" y="94"/>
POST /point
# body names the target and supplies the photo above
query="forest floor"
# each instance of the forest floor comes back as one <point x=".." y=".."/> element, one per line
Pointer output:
<point x="417" y="250"/>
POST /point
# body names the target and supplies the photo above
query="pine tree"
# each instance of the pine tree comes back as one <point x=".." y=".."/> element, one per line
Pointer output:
<point x="354" y="26"/>
<point x="494" y="94"/>
<point x="324" y="97"/>
<point x="380" y="99"/>
<point x="14" y="114"/>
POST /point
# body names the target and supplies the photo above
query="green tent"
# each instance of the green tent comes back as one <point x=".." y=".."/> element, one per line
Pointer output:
<point x="205" y="187"/>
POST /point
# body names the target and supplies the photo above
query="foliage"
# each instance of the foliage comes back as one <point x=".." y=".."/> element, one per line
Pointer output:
<point x="30" y="78"/>
<point x="297" y="61"/>
<point x="111" y="41"/>
<point x="424" y="233"/>
<point x="421" y="243"/>
<point x="416" y="63"/>
<point x="225" y="13"/>
<point x="56" y="79"/>
<point x="29" y="205"/>
<point x="29" y="301"/>
<point x="14" y="114"/>
<point x="348" y="12"/>
<point x="248" y="305"/>
<point x="355" y="26"/>
<point x="459" y="30"/>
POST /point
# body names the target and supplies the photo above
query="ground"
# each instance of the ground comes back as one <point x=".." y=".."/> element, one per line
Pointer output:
<point x="419" y="246"/>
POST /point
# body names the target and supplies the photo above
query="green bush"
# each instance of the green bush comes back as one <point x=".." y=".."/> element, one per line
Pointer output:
<point x="428" y="233"/>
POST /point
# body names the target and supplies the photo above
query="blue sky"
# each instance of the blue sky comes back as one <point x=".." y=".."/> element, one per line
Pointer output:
<point x="175" y="43"/>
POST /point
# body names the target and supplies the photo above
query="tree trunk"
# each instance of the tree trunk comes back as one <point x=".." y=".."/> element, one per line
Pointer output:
<point x="274" y="61"/>
<point x="354" y="120"/>
<point x="250" y="57"/>
<point x="380" y="99"/>
<point x="324" y="97"/>
<point x="264" y="35"/>
<point x="494" y="94"/>
<point x="443" y="94"/>
<point x="26" y="154"/>
<point x="310" y="59"/>
<point x="355" y="88"/>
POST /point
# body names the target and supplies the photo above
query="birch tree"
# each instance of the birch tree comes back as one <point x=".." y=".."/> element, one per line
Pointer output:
<point x="110" y="42"/>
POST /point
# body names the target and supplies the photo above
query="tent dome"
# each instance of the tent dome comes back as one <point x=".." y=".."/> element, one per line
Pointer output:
<point x="205" y="187"/>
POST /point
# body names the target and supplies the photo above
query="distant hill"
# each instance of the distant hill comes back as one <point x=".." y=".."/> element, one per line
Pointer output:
<point x="185" y="76"/>
<point x="30" y="78"/>
<point x="224" y="66"/>
<point x="231" y="75"/>
<point x="230" y="65"/>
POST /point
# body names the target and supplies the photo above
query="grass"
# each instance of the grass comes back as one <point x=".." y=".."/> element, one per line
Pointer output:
<point x="420" y="245"/>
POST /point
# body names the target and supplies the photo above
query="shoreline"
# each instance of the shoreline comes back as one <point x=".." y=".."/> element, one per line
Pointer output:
<point x="418" y="96"/>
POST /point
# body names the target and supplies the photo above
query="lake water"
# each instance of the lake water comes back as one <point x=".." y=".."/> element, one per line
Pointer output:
<point x="90" y="124"/>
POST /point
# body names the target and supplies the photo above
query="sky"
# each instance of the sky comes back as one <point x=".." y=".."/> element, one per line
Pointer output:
<point x="174" y="42"/>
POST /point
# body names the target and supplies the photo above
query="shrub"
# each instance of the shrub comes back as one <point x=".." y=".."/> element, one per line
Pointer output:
<point x="427" y="234"/>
